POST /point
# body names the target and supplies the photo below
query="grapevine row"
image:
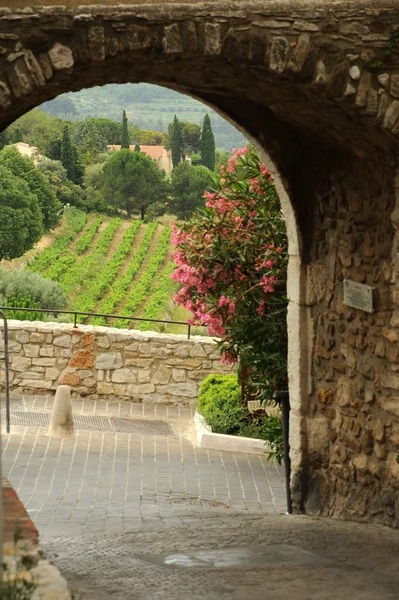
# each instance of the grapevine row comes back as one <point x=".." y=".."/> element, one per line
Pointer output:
<point x="140" y="290"/>
<point x="89" y="266"/>
<point x="87" y="300"/>
<point x="76" y="220"/>
<point x="88" y="235"/>
<point x="163" y="292"/>
<point x="118" y="291"/>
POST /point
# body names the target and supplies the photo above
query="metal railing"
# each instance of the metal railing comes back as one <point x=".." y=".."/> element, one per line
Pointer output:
<point x="4" y="358"/>
<point x="75" y="314"/>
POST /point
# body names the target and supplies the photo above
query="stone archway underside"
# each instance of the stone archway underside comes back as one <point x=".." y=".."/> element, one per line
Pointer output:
<point x="317" y="88"/>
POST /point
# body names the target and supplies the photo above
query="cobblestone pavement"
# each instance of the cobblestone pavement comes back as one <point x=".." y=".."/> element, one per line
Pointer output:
<point x="130" y="516"/>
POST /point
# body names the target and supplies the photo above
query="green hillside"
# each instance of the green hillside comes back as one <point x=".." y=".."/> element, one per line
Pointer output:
<point x="148" y="106"/>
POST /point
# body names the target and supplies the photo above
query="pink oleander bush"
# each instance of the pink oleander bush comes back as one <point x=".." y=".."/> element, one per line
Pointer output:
<point x="232" y="266"/>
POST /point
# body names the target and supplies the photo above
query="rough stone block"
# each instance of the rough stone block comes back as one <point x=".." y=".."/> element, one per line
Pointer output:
<point x="52" y="373"/>
<point x="61" y="57"/>
<point x="178" y="375"/>
<point x="171" y="41"/>
<point x="110" y="360"/>
<point x="197" y="350"/>
<point x="181" y="389"/>
<point x="213" y="44"/>
<point x="162" y="375"/>
<point x="44" y="362"/>
<point x="31" y="350"/>
<point x="22" y="337"/>
<point x="63" y="341"/>
<point x="20" y="363"/>
<point x="70" y="378"/>
<point x="124" y="376"/>
<point x="82" y="359"/>
<point x="279" y="52"/>
<point x="138" y="390"/>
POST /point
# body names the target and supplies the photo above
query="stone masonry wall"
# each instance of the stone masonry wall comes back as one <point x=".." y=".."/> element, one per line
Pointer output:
<point x="108" y="363"/>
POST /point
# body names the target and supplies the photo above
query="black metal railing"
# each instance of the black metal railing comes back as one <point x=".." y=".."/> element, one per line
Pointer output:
<point x="4" y="358"/>
<point x="77" y="313"/>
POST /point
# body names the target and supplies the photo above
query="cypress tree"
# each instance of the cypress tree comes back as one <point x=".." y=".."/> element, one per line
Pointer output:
<point x="207" y="145"/>
<point x="176" y="142"/>
<point x="125" y="132"/>
<point x="137" y="148"/>
<point x="68" y="156"/>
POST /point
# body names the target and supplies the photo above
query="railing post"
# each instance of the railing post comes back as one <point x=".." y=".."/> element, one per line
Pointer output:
<point x="189" y="330"/>
<point x="75" y="316"/>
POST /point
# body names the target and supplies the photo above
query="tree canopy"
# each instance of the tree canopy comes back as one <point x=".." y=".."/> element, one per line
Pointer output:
<point x="38" y="184"/>
<point x="125" y="142"/>
<point x="176" y="143"/>
<point x="89" y="141"/>
<point x="132" y="181"/>
<point x="21" y="224"/>
<point x="190" y="137"/>
<point x="207" y="144"/>
<point x="188" y="187"/>
<point x="69" y="158"/>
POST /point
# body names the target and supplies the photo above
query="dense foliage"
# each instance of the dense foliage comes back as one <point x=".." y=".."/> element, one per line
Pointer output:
<point x="207" y="145"/>
<point x="38" y="184"/>
<point x="176" y="143"/>
<point x="125" y="142"/>
<point x="25" y="285"/>
<point x="21" y="221"/>
<point x="232" y="259"/>
<point x="221" y="406"/>
<point x="132" y="181"/>
<point x="188" y="187"/>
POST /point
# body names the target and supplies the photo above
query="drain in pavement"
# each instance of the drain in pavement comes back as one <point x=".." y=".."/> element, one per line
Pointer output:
<point x="92" y="423"/>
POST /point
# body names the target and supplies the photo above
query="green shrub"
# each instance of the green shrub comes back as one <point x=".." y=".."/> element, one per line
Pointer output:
<point x="33" y="290"/>
<point x="221" y="406"/>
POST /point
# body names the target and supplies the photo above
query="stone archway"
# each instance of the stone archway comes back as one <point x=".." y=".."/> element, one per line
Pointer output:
<point x="318" y="90"/>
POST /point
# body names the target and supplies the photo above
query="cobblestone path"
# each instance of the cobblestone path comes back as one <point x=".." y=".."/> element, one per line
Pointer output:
<point x="142" y="516"/>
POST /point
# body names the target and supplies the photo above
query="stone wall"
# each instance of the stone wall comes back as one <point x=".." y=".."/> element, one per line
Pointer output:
<point x="110" y="363"/>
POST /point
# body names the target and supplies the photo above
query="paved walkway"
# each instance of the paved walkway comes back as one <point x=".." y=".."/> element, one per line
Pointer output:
<point x="131" y="516"/>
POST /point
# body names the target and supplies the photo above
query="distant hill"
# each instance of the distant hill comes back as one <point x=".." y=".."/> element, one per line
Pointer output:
<point x="148" y="106"/>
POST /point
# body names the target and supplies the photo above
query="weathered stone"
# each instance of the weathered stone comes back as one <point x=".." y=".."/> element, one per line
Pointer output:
<point x="37" y="338"/>
<point x="96" y="39"/>
<point x="63" y="341"/>
<point x="87" y="341"/>
<point x="52" y="373"/>
<point x="82" y="359"/>
<point x="44" y="362"/>
<point x="22" y="337"/>
<point x="380" y="349"/>
<point x="213" y="44"/>
<point x="344" y="392"/>
<point x="181" y="389"/>
<point x="197" y="350"/>
<point x="390" y="404"/>
<point x="103" y="342"/>
<point x="39" y="384"/>
<point x="390" y="380"/>
<point x="279" y="53"/>
<point x="29" y="375"/>
<point x="363" y="87"/>
<point x="139" y="362"/>
<point x="61" y="57"/>
<point x="391" y="115"/>
<point x="354" y="72"/>
<point x="171" y="41"/>
<point x="70" y="378"/>
<point x="140" y="389"/>
<point x="31" y="350"/>
<point x="20" y="363"/>
<point x="162" y="375"/>
<point x="179" y="375"/>
<point x="144" y="375"/>
<point x="110" y="360"/>
<point x="300" y="53"/>
<point x="124" y="376"/>
<point x="5" y="95"/>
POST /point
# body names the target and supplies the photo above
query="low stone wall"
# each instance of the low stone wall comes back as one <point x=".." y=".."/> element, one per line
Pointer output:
<point x="104" y="362"/>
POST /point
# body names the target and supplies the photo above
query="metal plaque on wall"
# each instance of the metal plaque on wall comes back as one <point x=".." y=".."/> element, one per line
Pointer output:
<point x="357" y="295"/>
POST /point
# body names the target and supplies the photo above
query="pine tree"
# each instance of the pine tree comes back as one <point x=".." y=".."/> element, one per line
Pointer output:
<point x="207" y="145"/>
<point x="176" y="142"/>
<point x="125" y="132"/>
<point x="68" y="156"/>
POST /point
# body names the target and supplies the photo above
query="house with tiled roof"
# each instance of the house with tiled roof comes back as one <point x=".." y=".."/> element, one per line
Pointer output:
<point x="158" y="153"/>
